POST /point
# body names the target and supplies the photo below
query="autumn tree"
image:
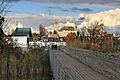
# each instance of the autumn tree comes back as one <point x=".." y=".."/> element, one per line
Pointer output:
<point x="95" y="31"/>
<point x="70" y="37"/>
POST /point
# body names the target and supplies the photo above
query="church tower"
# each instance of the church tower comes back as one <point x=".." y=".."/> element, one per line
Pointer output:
<point x="56" y="27"/>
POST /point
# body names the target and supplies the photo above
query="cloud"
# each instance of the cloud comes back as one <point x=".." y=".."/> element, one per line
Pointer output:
<point x="79" y="1"/>
<point x="11" y="0"/>
<point x="102" y="2"/>
<point x="111" y="19"/>
<point x="106" y="3"/>
<point x="65" y="10"/>
<point x="73" y="9"/>
<point x="54" y="7"/>
<point x="34" y="20"/>
<point x="75" y="1"/>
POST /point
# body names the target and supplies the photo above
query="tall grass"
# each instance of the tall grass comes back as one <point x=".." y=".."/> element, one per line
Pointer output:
<point x="107" y="47"/>
<point x="18" y="65"/>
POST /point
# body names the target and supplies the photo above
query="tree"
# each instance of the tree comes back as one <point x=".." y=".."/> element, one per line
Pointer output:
<point x="70" y="37"/>
<point x="1" y="33"/>
<point x="96" y="31"/>
<point x="4" y="6"/>
<point x="55" y="32"/>
<point x="81" y="34"/>
<point x="42" y="31"/>
<point x="1" y="24"/>
<point x="78" y="34"/>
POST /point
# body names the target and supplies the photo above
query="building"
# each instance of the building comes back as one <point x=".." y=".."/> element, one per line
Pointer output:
<point x="21" y="36"/>
<point x="54" y="39"/>
<point x="62" y="29"/>
<point x="69" y="27"/>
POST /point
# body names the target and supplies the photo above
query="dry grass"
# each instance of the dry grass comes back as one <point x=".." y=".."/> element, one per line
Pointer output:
<point x="105" y="48"/>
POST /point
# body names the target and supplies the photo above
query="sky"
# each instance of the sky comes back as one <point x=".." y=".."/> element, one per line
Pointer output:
<point x="32" y="13"/>
<point x="58" y="9"/>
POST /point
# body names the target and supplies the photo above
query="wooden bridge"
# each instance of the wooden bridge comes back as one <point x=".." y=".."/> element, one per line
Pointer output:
<point x="78" y="64"/>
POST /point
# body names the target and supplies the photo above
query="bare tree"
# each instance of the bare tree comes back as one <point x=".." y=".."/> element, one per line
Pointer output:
<point x="96" y="31"/>
<point x="42" y="31"/>
<point x="4" y="7"/>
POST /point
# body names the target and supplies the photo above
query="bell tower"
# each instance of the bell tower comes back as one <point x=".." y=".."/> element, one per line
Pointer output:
<point x="56" y="25"/>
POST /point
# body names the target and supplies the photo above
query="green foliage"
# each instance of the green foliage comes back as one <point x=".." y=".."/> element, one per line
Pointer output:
<point x="55" y="32"/>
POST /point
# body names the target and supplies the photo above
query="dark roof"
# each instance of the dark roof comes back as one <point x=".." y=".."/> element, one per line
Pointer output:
<point x="67" y="28"/>
<point x="22" y="32"/>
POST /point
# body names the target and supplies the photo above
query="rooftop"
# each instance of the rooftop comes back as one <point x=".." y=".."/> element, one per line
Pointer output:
<point x="22" y="32"/>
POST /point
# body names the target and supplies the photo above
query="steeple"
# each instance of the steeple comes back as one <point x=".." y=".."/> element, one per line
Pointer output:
<point x="16" y="24"/>
<point x="56" y="25"/>
<point x="56" y="22"/>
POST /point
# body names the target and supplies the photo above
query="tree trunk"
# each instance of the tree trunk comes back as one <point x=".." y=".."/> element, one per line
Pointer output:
<point x="7" y="66"/>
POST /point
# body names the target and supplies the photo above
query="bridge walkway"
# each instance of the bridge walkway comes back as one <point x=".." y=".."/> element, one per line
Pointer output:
<point x="66" y="67"/>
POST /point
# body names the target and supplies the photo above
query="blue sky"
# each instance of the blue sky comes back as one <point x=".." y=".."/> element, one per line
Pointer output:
<point x="51" y="7"/>
<point x="58" y="9"/>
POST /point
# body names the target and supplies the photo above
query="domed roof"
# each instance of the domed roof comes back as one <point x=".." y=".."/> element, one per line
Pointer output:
<point x="66" y="28"/>
<point x="69" y="27"/>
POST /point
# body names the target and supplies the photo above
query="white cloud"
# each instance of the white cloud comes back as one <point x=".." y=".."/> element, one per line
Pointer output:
<point x="109" y="18"/>
<point x="34" y="20"/>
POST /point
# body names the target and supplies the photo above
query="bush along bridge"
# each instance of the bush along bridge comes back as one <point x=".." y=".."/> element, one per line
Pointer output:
<point x="78" y="64"/>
